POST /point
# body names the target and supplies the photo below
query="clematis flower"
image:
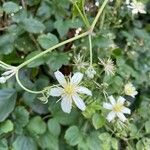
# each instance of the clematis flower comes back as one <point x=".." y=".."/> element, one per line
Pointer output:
<point x="137" y="7"/>
<point x="117" y="109"/>
<point x="69" y="91"/>
<point x="130" y="90"/>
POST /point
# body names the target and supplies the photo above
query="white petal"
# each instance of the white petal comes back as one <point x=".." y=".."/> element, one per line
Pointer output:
<point x="66" y="104"/>
<point x="142" y="11"/>
<point x="121" y="100"/>
<point x="76" y="78"/>
<point x="121" y="116"/>
<point x="79" y="102"/>
<point x="112" y="100"/>
<point x="135" y="11"/>
<point x="111" y="116"/>
<point x="107" y="106"/>
<point x="84" y="90"/>
<point x="56" y="91"/>
<point x="61" y="78"/>
<point x="126" y="110"/>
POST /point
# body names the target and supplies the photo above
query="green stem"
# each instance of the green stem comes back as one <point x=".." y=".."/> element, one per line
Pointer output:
<point x="98" y="14"/>
<point x="82" y="16"/>
<point x="91" y="53"/>
<point x="58" y="45"/>
<point x="21" y="85"/>
<point x="52" y="48"/>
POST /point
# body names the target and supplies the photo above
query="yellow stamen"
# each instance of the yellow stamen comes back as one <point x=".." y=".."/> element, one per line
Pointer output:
<point x="118" y="107"/>
<point x="69" y="89"/>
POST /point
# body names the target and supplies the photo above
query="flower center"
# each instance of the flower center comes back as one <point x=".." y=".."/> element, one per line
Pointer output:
<point x="118" y="108"/>
<point x="129" y="90"/>
<point x="69" y="89"/>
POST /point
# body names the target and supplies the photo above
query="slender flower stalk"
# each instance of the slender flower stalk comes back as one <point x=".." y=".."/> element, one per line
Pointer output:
<point x="69" y="90"/>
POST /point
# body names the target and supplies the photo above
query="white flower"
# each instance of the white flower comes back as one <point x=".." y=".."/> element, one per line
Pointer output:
<point x="90" y="72"/>
<point x="137" y="7"/>
<point x="108" y="65"/>
<point x="69" y="91"/>
<point x="130" y="90"/>
<point x="117" y="109"/>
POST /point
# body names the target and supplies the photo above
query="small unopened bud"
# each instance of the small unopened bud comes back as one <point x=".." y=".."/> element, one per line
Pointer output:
<point x="90" y="72"/>
<point x="2" y="80"/>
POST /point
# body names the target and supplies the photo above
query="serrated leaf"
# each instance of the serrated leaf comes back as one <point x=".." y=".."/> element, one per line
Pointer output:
<point x="73" y="135"/>
<point x="7" y="102"/>
<point x="55" y="60"/>
<point x="21" y="116"/>
<point x="6" y="126"/>
<point x="24" y="143"/>
<point x="32" y="25"/>
<point x="147" y="126"/>
<point x="48" y="141"/>
<point x="3" y="144"/>
<point x="36" y="62"/>
<point x="54" y="127"/>
<point x="36" y="125"/>
<point x="10" y="7"/>
<point x="47" y="40"/>
<point x="98" y="121"/>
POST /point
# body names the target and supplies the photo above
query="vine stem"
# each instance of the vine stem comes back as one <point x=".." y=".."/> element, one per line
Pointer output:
<point x="89" y="32"/>
<point x="98" y="14"/>
<point x="23" y="87"/>
<point x="52" y="48"/>
<point x="82" y="16"/>
<point x="91" y="52"/>
<point x="69" y="40"/>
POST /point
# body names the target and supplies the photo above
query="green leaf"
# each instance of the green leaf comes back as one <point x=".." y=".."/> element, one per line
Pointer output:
<point x="93" y="141"/>
<point x="36" y="62"/>
<point x="6" y="127"/>
<point x="6" y="43"/>
<point x="114" y="143"/>
<point x="33" y="2"/>
<point x="32" y="25"/>
<point x="24" y="143"/>
<point x="73" y="135"/>
<point x="48" y="141"/>
<point x="3" y="144"/>
<point x="47" y="40"/>
<point x="55" y="60"/>
<point x="62" y="27"/>
<point x="54" y="127"/>
<point x="10" y="7"/>
<point x="7" y="102"/>
<point x="147" y="126"/>
<point x="98" y="121"/>
<point x="36" y="125"/>
<point x="21" y="116"/>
